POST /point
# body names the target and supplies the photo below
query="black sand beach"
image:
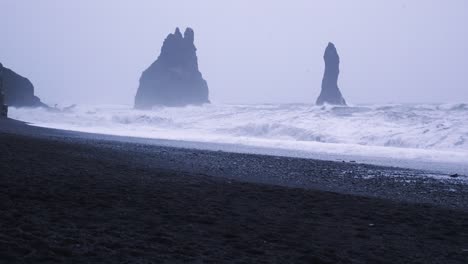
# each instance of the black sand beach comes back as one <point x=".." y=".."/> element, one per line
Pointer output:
<point x="79" y="198"/>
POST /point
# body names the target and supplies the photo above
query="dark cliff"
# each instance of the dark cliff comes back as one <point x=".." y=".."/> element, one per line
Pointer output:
<point x="174" y="78"/>
<point x="330" y="93"/>
<point x="18" y="91"/>
<point x="3" y="107"/>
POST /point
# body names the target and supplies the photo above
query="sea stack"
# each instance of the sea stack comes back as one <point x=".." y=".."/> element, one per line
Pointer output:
<point x="330" y="93"/>
<point x="18" y="91"/>
<point x="174" y="78"/>
<point x="3" y="106"/>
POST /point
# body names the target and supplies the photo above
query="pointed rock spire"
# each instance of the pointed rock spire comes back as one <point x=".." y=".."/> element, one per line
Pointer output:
<point x="174" y="78"/>
<point x="330" y="93"/>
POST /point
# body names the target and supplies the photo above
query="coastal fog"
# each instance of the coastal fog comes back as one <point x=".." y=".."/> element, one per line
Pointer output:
<point x="93" y="52"/>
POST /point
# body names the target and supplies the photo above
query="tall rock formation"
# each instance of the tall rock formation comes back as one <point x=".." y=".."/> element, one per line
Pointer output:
<point x="173" y="79"/>
<point x="3" y="106"/>
<point x="330" y="93"/>
<point x="18" y="91"/>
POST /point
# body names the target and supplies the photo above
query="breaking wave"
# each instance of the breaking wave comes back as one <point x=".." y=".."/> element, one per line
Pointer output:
<point x="423" y="131"/>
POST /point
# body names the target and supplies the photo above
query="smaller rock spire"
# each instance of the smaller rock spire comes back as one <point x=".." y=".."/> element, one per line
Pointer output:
<point x="330" y="93"/>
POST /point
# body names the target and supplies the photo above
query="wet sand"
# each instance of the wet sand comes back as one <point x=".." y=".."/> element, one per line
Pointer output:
<point x="72" y="197"/>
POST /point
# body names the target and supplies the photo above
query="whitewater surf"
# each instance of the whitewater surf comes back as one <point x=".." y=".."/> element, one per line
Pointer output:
<point x="413" y="133"/>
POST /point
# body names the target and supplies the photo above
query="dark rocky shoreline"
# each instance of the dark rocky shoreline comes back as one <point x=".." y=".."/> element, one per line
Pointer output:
<point x="74" y="197"/>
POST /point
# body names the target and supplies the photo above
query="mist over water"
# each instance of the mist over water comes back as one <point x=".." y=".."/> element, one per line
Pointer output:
<point x="423" y="132"/>
<point x="92" y="53"/>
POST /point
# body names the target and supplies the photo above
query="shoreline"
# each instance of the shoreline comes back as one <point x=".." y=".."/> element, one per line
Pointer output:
<point x="435" y="167"/>
<point x="66" y="198"/>
<point x="368" y="180"/>
<point x="427" y="145"/>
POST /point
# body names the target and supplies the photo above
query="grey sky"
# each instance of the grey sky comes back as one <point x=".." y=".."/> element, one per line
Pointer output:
<point x="88" y="51"/>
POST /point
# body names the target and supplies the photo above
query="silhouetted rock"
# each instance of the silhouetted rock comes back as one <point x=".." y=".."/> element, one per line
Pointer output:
<point x="3" y="106"/>
<point x="173" y="79"/>
<point x="330" y="93"/>
<point x="18" y="91"/>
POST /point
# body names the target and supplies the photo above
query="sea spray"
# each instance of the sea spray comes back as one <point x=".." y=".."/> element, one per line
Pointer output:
<point x="436" y="132"/>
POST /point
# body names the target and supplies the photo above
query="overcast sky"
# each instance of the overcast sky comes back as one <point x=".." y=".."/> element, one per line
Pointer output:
<point x="88" y="51"/>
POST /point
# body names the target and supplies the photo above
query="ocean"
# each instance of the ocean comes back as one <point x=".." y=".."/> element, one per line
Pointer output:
<point x="408" y="135"/>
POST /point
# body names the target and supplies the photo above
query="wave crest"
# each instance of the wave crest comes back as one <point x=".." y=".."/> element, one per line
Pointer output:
<point x="441" y="127"/>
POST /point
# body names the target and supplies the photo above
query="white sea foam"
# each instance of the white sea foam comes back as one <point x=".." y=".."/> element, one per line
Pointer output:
<point x="429" y="132"/>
